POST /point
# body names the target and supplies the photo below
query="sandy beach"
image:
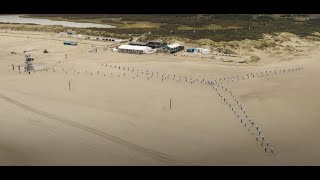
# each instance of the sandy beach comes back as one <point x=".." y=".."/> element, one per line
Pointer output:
<point x="117" y="110"/>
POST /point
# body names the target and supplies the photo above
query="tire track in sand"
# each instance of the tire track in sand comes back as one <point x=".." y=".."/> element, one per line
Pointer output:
<point x="154" y="154"/>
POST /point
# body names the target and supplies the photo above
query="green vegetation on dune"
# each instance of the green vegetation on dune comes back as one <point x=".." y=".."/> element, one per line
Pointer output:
<point x="225" y="51"/>
<point x="254" y="58"/>
<point x="216" y="27"/>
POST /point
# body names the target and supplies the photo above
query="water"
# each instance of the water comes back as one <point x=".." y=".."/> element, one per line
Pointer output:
<point x="21" y="20"/>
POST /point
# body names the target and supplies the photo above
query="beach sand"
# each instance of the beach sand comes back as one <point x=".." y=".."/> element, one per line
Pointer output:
<point x="125" y="119"/>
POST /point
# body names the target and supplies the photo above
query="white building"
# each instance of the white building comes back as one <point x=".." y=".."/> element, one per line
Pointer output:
<point x="201" y="50"/>
<point x="134" y="49"/>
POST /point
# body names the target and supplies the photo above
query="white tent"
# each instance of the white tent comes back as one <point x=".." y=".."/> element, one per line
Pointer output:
<point x="118" y="40"/>
<point x="134" y="49"/>
<point x="201" y="50"/>
<point x="205" y="51"/>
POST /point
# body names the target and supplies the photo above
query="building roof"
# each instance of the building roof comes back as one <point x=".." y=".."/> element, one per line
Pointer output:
<point x="137" y="43"/>
<point x="156" y="41"/>
<point x="130" y="47"/>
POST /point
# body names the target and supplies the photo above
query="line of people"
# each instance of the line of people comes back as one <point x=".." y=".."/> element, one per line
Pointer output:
<point x="242" y="116"/>
<point x="257" y="74"/>
<point x="222" y="91"/>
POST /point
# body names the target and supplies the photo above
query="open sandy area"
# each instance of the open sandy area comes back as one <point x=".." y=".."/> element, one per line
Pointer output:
<point x="113" y="116"/>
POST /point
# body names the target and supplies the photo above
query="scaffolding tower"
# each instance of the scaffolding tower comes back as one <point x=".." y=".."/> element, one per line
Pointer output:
<point x="28" y="62"/>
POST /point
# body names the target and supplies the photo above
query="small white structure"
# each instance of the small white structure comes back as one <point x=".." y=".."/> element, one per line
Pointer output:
<point x="205" y="51"/>
<point x="118" y="40"/>
<point x="201" y="50"/>
<point x="80" y="36"/>
<point x="134" y="49"/>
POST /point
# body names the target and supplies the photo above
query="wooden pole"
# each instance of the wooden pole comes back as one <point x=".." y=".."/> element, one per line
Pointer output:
<point x="69" y="85"/>
<point x="170" y="103"/>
